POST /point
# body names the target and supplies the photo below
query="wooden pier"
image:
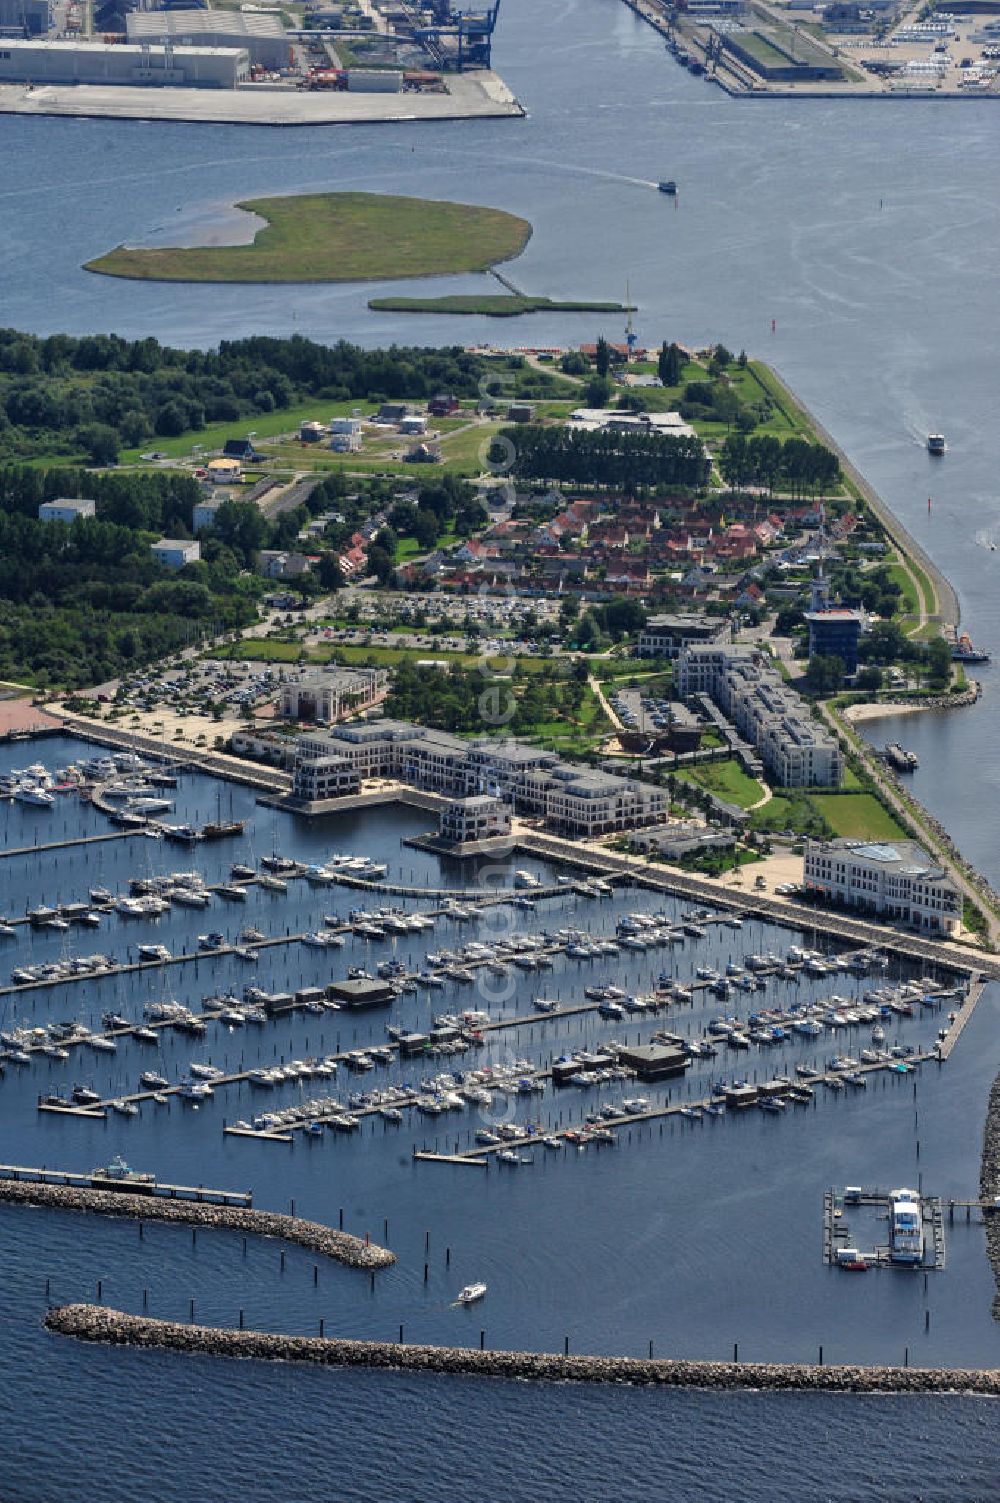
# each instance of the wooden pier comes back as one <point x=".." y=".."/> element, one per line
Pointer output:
<point x="100" y="1181"/>
<point x="836" y="1230"/>
<point x="977" y="985"/>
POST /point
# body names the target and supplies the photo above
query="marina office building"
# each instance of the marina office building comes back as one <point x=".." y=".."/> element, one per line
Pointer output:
<point x="796" y="751"/>
<point x="893" y="879"/>
<point x="575" y="801"/>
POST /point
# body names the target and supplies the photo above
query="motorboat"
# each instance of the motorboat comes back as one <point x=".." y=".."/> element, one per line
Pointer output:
<point x="668" y="186"/>
<point x="471" y="1293"/>
<point x="936" y="444"/>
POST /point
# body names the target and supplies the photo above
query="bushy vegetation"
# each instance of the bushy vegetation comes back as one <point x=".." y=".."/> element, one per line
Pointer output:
<point x="83" y="602"/>
<point x="90" y="397"/>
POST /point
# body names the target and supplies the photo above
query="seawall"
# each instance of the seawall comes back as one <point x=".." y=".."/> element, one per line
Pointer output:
<point x="312" y="1235"/>
<point x="114" y="1327"/>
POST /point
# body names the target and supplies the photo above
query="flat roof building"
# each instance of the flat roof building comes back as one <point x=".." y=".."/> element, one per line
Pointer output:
<point x="572" y="799"/>
<point x="479" y="816"/>
<point x="174" y="553"/>
<point x="77" y="62"/>
<point x="66" y="509"/>
<point x="665" y="636"/>
<point x="796" y="751"/>
<point x="835" y="631"/>
<point x="894" y="879"/>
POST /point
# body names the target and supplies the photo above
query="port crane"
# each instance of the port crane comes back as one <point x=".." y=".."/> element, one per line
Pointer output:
<point x="470" y="31"/>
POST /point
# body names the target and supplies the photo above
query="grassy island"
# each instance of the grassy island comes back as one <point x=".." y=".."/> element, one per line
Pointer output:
<point x="490" y="305"/>
<point x="338" y="237"/>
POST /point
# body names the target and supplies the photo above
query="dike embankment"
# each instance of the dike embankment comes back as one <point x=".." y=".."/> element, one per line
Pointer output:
<point x="989" y="1185"/>
<point x="355" y="1252"/>
<point x="115" y="1328"/>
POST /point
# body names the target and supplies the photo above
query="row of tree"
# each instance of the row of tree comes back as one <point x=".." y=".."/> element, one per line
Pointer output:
<point x="628" y="460"/>
<point x="792" y="465"/>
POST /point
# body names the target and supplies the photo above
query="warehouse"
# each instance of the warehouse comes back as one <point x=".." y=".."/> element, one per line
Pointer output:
<point x="262" y="36"/>
<point x="25" y="17"/>
<point x="66" y="62"/>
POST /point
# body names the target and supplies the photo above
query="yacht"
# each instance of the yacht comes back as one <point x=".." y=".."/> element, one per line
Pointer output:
<point x="906" y="1227"/>
<point x="34" y="795"/>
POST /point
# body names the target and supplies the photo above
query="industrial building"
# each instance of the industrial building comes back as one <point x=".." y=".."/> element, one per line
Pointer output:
<point x="66" y="509"/>
<point x="796" y="751"/>
<point x="573" y="800"/>
<point x="262" y="36"/>
<point x="25" y="18"/>
<point x="896" y="880"/>
<point x="71" y="62"/>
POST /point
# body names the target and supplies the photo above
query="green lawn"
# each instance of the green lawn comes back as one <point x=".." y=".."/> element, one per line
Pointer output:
<point x="858" y="816"/>
<point x="338" y="237"/>
<point x="726" y="780"/>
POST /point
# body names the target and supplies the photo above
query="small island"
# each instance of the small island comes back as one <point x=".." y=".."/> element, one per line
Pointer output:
<point x="337" y="237"/>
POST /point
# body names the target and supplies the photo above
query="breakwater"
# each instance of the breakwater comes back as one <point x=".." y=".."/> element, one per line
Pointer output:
<point x="355" y="1252"/>
<point x="989" y="1185"/>
<point x="116" y="1328"/>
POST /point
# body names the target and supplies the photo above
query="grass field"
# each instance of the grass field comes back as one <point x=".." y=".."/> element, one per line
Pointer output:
<point x="858" y="816"/>
<point x="338" y="237"/>
<point x="726" y="780"/>
<point x="489" y="306"/>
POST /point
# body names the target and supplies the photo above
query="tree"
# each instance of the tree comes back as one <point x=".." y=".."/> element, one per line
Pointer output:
<point x="573" y="363"/>
<point x="824" y="675"/>
<point x="938" y="664"/>
<point x="602" y="357"/>
<point x="99" y="442"/>
<point x="329" y="572"/>
<point x="598" y="391"/>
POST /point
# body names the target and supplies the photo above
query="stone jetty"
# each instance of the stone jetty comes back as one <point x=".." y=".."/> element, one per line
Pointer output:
<point x="114" y="1327"/>
<point x="312" y="1235"/>
<point x="989" y="1185"/>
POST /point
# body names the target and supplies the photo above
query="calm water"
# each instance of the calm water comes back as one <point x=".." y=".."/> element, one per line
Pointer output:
<point x="696" y="1239"/>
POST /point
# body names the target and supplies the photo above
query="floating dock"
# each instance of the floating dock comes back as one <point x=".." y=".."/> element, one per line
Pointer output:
<point x="156" y="1189"/>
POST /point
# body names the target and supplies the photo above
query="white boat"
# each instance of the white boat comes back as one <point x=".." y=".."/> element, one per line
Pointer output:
<point x="34" y="795"/>
<point x="906" y="1227"/>
<point x="471" y="1293"/>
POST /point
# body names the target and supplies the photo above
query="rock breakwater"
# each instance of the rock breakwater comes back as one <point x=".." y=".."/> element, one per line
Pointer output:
<point x="114" y="1327"/>
<point x="989" y="1185"/>
<point x="312" y="1235"/>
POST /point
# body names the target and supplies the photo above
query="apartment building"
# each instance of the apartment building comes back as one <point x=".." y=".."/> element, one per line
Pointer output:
<point x="796" y="751"/>
<point x="477" y="817"/>
<point x="896" y="880"/>
<point x="333" y="693"/>
<point x="572" y="800"/>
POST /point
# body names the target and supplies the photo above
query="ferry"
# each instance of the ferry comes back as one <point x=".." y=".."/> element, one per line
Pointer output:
<point x="906" y="1227"/>
<point x="935" y="443"/>
<point x="471" y="1293"/>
